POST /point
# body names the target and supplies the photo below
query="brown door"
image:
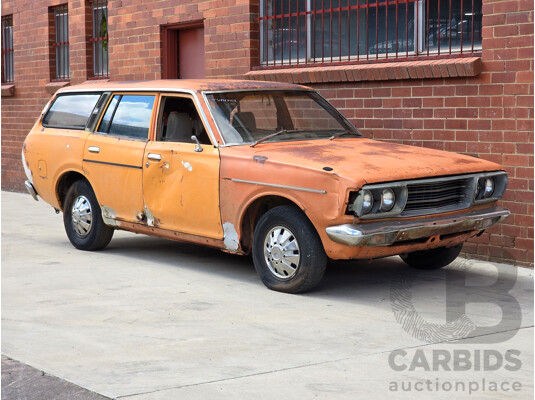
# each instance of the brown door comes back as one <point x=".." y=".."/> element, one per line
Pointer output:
<point x="191" y="53"/>
<point x="183" y="52"/>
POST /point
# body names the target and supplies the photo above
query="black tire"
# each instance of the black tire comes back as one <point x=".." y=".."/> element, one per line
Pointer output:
<point x="307" y="264"/>
<point x="98" y="235"/>
<point x="434" y="258"/>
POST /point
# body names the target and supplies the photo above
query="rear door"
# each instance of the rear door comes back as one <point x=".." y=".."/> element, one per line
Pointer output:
<point x="113" y="155"/>
<point x="180" y="182"/>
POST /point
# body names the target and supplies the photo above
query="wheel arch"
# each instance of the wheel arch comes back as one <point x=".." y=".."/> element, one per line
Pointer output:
<point x="64" y="183"/>
<point x="254" y="211"/>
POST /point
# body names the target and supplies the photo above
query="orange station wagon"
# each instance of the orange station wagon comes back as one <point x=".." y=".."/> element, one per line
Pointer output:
<point x="259" y="168"/>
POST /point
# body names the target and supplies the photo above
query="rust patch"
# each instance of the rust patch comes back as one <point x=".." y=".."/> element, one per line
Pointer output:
<point x="108" y="216"/>
<point x="164" y="166"/>
<point x="151" y="220"/>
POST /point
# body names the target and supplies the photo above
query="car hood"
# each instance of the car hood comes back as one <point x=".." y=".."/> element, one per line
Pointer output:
<point x="369" y="160"/>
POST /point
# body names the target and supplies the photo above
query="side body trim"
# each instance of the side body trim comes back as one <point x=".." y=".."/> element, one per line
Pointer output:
<point x="280" y="186"/>
<point x="114" y="164"/>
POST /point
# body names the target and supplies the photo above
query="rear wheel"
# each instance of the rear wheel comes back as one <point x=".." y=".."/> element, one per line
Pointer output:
<point x="434" y="258"/>
<point x="287" y="251"/>
<point x="82" y="218"/>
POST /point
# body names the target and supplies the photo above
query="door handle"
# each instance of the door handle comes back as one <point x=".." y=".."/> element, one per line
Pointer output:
<point x="93" y="149"/>
<point x="154" y="157"/>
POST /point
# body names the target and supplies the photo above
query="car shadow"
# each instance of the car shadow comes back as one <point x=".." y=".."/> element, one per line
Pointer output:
<point x="183" y="255"/>
<point x="342" y="278"/>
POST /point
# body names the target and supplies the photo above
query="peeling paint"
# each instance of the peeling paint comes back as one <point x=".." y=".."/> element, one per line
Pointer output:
<point x="187" y="165"/>
<point x="108" y="216"/>
<point x="230" y="237"/>
<point x="150" y="217"/>
<point x="164" y="166"/>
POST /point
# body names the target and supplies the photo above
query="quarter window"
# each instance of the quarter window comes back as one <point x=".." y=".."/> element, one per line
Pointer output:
<point x="128" y="115"/>
<point x="71" y="111"/>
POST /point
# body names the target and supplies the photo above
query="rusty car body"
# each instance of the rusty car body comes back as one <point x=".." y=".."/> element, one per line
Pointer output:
<point x="265" y="168"/>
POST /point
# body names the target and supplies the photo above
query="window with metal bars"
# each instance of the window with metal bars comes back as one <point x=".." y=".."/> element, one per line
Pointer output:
<point x="100" y="38"/>
<point x="61" y="24"/>
<point x="8" y="66"/>
<point x="296" y="32"/>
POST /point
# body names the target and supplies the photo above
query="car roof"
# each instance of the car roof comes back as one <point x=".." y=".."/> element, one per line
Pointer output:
<point x="178" y="85"/>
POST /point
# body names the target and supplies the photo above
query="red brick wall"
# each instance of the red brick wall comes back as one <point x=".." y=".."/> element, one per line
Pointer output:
<point x="490" y="115"/>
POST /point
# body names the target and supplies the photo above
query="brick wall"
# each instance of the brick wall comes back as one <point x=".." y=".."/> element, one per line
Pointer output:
<point x="489" y="115"/>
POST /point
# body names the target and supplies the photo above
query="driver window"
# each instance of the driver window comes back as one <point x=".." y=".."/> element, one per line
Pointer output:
<point x="179" y="121"/>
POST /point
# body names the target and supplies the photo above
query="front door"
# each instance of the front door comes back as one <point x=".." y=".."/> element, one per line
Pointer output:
<point x="180" y="184"/>
<point x="113" y="155"/>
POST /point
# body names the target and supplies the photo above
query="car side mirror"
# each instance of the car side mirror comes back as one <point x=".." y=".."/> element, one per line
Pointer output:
<point x="198" y="148"/>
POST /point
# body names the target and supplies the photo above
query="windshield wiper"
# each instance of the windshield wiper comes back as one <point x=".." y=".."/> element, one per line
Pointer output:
<point x="342" y="134"/>
<point x="273" y="135"/>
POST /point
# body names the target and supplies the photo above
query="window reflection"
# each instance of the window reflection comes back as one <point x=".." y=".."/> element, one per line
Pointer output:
<point x="71" y="111"/>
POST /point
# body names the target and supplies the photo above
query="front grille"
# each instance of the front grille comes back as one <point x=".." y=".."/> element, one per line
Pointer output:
<point x="435" y="197"/>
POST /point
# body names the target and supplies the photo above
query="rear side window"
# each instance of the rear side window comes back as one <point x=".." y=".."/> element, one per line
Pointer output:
<point x="128" y="115"/>
<point x="71" y="111"/>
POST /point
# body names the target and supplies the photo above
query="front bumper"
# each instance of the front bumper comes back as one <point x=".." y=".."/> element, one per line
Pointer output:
<point x="386" y="233"/>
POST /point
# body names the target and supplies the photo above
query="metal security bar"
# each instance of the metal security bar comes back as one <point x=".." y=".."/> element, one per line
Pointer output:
<point x="294" y="32"/>
<point x="100" y="38"/>
<point x="61" y="18"/>
<point x="8" y="68"/>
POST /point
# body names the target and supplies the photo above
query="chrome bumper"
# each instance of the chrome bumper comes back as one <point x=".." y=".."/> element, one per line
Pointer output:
<point x="386" y="233"/>
<point x="31" y="190"/>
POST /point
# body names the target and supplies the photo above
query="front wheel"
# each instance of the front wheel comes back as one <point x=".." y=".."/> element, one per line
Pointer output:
<point x="287" y="252"/>
<point x="82" y="218"/>
<point x="432" y="259"/>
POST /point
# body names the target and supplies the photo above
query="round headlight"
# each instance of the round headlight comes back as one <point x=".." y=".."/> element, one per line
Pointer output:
<point x="367" y="201"/>
<point x="489" y="188"/>
<point x="388" y="199"/>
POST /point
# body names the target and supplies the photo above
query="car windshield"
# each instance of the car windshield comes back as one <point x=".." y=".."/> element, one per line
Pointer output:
<point x="253" y="117"/>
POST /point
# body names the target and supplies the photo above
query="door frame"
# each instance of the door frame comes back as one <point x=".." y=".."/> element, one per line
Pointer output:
<point x="169" y="35"/>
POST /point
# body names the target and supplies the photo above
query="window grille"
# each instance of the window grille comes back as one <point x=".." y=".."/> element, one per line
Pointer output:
<point x="100" y="38"/>
<point x="61" y="20"/>
<point x="296" y="32"/>
<point x="8" y="67"/>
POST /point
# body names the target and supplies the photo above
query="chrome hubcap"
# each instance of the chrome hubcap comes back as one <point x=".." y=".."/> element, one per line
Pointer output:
<point x="281" y="252"/>
<point x="81" y="216"/>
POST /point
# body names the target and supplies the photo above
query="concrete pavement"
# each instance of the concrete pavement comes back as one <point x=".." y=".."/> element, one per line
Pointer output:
<point x="153" y="319"/>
